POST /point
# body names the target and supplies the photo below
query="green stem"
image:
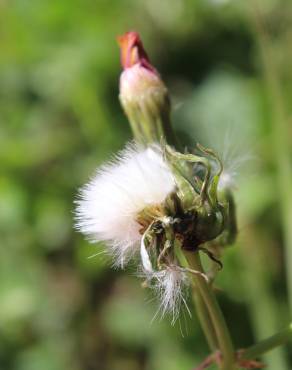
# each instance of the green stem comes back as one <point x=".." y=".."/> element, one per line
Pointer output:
<point x="201" y="309"/>
<point x="217" y="318"/>
<point x="281" y="127"/>
<point x="205" y="321"/>
<point x="268" y="344"/>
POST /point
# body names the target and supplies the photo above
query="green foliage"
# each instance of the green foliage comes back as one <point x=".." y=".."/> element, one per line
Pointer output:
<point x="60" y="118"/>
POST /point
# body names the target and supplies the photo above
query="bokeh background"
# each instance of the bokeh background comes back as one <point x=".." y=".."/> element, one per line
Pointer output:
<point x="228" y="65"/>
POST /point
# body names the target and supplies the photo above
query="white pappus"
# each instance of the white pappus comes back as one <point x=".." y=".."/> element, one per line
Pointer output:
<point x="107" y="211"/>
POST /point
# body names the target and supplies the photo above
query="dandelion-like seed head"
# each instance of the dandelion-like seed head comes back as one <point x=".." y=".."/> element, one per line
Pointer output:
<point x="145" y="204"/>
<point x="109" y="205"/>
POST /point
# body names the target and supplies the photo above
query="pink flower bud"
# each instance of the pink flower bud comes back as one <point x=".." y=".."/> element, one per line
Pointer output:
<point x="132" y="51"/>
<point x="143" y="95"/>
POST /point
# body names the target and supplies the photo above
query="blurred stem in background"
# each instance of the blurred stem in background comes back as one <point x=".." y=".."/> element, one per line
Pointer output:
<point x="268" y="344"/>
<point x="262" y="305"/>
<point x="280" y="138"/>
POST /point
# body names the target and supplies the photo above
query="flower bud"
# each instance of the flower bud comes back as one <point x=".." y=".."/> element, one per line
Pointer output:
<point x="143" y="95"/>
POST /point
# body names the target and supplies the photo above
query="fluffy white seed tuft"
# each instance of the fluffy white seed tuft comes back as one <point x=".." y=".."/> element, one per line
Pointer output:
<point x="108" y="205"/>
<point x="234" y="164"/>
<point x="169" y="284"/>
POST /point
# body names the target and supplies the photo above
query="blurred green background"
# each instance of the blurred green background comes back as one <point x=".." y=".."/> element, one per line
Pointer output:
<point x="60" y="118"/>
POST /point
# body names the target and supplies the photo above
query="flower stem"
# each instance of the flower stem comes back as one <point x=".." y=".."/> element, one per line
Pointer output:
<point x="217" y="318"/>
<point x="268" y="344"/>
<point x="201" y="309"/>
<point x="205" y="321"/>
